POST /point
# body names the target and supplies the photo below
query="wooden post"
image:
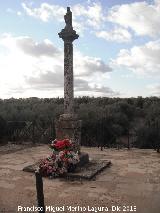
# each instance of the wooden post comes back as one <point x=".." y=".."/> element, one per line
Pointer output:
<point x="128" y="140"/>
<point x="40" y="195"/>
<point x="33" y="131"/>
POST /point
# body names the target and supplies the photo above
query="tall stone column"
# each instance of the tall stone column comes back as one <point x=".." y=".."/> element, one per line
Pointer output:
<point x="68" y="35"/>
<point x="68" y="125"/>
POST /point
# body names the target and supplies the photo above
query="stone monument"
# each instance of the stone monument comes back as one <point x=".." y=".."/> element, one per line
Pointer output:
<point x="68" y="125"/>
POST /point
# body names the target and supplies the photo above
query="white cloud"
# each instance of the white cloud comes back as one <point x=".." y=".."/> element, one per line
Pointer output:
<point x="117" y="34"/>
<point x="154" y="89"/>
<point x="17" y="64"/>
<point x="29" y="68"/>
<point x="93" y="90"/>
<point x="90" y="15"/>
<point x="86" y="66"/>
<point x="19" y="13"/>
<point x="47" y="80"/>
<point x="45" y="12"/>
<point x="141" y="17"/>
<point x="93" y="14"/>
<point x="50" y="81"/>
<point x="157" y="3"/>
<point x="45" y="48"/>
<point x="141" y="59"/>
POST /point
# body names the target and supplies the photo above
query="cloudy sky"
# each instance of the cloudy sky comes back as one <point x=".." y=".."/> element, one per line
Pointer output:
<point x="116" y="55"/>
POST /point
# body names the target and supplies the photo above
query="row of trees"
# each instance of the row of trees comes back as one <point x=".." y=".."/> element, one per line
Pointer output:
<point x="106" y="121"/>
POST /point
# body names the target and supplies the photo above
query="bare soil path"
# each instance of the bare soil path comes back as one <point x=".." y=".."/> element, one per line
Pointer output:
<point x="132" y="180"/>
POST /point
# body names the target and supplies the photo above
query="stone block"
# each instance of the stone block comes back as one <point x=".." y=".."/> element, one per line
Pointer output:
<point x="69" y="127"/>
<point x="84" y="159"/>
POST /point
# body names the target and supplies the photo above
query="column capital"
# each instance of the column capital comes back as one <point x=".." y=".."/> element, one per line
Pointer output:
<point x="68" y="34"/>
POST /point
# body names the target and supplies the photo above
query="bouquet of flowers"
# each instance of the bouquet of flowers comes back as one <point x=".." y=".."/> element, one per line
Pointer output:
<point x="65" y="144"/>
<point x="62" y="160"/>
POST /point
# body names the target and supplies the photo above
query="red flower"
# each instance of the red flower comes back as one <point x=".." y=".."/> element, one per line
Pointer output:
<point x="59" y="145"/>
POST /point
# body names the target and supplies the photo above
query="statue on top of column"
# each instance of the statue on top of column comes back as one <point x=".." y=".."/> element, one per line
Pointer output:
<point x="68" y="34"/>
<point x="68" y="19"/>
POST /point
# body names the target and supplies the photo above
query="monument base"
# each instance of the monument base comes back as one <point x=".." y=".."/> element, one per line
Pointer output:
<point x="68" y="126"/>
<point x="84" y="159"/>
<point x="87" y="171"/>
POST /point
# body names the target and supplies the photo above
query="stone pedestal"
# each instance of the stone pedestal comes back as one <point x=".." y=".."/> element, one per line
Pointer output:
<point x="68" y="126"/>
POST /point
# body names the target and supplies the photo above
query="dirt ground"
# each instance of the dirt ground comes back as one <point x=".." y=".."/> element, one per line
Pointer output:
<point x="132" y="180"/>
